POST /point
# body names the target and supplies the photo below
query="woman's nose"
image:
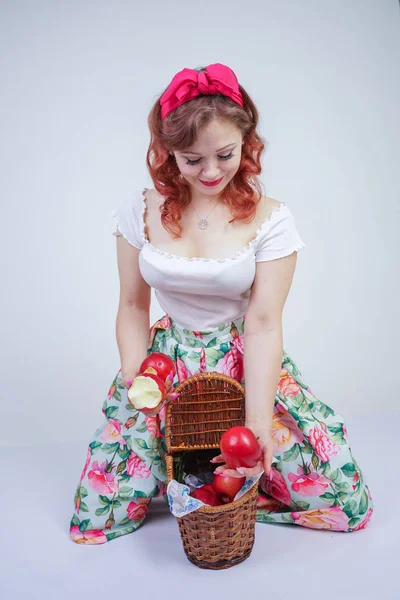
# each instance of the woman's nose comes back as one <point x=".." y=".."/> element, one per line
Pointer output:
<point x="210" y="172"/>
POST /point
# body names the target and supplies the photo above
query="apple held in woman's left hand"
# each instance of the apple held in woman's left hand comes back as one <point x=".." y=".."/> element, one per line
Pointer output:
<point x="263" y="437"/>
<point x="239" y="447"/>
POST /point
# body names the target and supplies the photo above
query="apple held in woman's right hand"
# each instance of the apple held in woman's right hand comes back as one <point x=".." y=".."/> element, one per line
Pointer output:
<point x="147" y="393"/>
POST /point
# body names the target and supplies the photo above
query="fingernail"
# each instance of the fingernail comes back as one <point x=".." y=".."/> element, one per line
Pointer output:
<point x="271" y="475"/>
<point x="240" y="471"/>
<point x="129" y="382"/>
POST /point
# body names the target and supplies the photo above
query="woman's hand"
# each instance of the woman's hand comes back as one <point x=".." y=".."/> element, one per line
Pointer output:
<point x="264" y="438"/>
<point x="127" y="380"/>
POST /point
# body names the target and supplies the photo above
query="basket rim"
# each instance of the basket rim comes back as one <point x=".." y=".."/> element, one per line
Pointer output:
<point x="207" y="375"/>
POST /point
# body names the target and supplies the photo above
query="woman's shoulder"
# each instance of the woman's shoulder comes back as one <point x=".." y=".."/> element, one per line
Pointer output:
<point x="268" y="206"/>
<point x="152" y="197"/>
<point x="129" y="217"/>
<point x="278" y="235"/>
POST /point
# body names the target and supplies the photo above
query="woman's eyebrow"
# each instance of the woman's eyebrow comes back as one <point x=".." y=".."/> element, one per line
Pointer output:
<point x="198" y="153"/>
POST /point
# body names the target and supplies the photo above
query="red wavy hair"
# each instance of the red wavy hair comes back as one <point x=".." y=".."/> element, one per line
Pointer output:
<point x="179" y="131"/>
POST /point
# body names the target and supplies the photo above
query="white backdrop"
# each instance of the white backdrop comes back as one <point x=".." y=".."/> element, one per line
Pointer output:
<point x="77" y="82"/>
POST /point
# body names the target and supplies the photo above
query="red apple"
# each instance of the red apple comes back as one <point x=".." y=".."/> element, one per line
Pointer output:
<point x="226" y="486"/>
<point x="159" y="364"/>
<point x="240" y="448"/>
<point x="206" y="495"/>
<point x="146" y="392"/>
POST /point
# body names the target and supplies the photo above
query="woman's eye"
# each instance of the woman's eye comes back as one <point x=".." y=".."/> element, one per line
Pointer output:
<point x="195" y="162"/>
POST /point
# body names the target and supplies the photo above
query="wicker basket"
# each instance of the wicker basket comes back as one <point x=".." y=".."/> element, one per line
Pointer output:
<point x="214" y="537"/>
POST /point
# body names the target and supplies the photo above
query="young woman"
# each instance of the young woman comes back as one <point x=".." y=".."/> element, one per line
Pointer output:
<point x="221" y="257"/>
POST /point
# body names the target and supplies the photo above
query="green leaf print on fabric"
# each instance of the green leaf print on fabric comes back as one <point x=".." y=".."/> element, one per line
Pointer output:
<point x="111" y="412"/>
<point x="351" y="508"/>
<point x="344" y="486"/>
<point x="139" y="494"/>
<point x="125" y="491"/>
<point x="349" y="470"/>
<point x="112" y="536"/>
<point x="142" y="428"/>
<point x="327" y="497"/>
<point x="153" y="442"/>
<point x="110" y="448"/>
<point x="194" y="343"/>
<point x="102" y="511"/>
<point x="336" y="476"/>
<point x="75" y="521"/>
<point x="156" y="348"/>
<point x="325" y="410"/>
<point x="128" y="440"/>
<point x="95" y="446"/>
<point x="84" y="525"/>
<point x="140" y="444"/>
<point x="287" y="518"/>
<point x="175" y="334"/>
<point x="213" y="356"/>
<point x="83" y="491"/>
<point x="291" y="454"/>
<point x="123" y="453"/>
<point x="104" y="500"/>
<point x="363" y="503"/>
<point x="179" y="352"/>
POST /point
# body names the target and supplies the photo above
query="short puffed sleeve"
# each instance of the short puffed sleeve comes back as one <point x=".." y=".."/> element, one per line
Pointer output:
<point x="278" y="236"/>
<point x="129" y="218"/>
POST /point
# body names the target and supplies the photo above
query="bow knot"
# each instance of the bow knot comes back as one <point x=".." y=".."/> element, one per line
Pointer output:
<point x="189" y="83"/>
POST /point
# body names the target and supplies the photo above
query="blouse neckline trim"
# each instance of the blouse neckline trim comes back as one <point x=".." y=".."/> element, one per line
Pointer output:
<point x="235" y="256"/>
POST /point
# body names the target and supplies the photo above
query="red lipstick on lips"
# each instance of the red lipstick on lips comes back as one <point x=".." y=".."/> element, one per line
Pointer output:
<point x="211" y="183"/>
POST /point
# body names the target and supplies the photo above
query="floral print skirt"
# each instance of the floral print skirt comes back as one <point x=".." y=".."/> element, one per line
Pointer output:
<point x="317" y="482"/>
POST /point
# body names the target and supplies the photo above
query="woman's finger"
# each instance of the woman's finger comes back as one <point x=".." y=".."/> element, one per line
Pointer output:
<point x="249" y="472"/>
<point x="227" y="471"/>
<point x="218" y="458"/>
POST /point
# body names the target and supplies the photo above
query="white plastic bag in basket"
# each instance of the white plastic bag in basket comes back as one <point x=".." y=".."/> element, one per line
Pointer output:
<point x="181" y="503"/>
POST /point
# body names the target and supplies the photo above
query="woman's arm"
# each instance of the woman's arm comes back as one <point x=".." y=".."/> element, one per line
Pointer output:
<point x="262" y="366"/>
<point x="132" y="332"/>
<point x="263" y="343"/>
<point x="133" y="318"/>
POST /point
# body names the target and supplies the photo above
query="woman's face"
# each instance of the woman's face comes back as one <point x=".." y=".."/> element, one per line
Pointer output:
<point x="215" y="155"/>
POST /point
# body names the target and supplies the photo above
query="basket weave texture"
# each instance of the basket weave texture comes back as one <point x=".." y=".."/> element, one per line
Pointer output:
<point x="208" y="404"/>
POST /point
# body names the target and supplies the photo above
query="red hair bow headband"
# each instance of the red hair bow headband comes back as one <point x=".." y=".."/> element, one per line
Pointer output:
<point x="188" y="83"/>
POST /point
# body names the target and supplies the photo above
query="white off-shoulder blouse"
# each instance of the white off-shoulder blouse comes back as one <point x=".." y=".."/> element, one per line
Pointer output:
<point x="204" y="293"/>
